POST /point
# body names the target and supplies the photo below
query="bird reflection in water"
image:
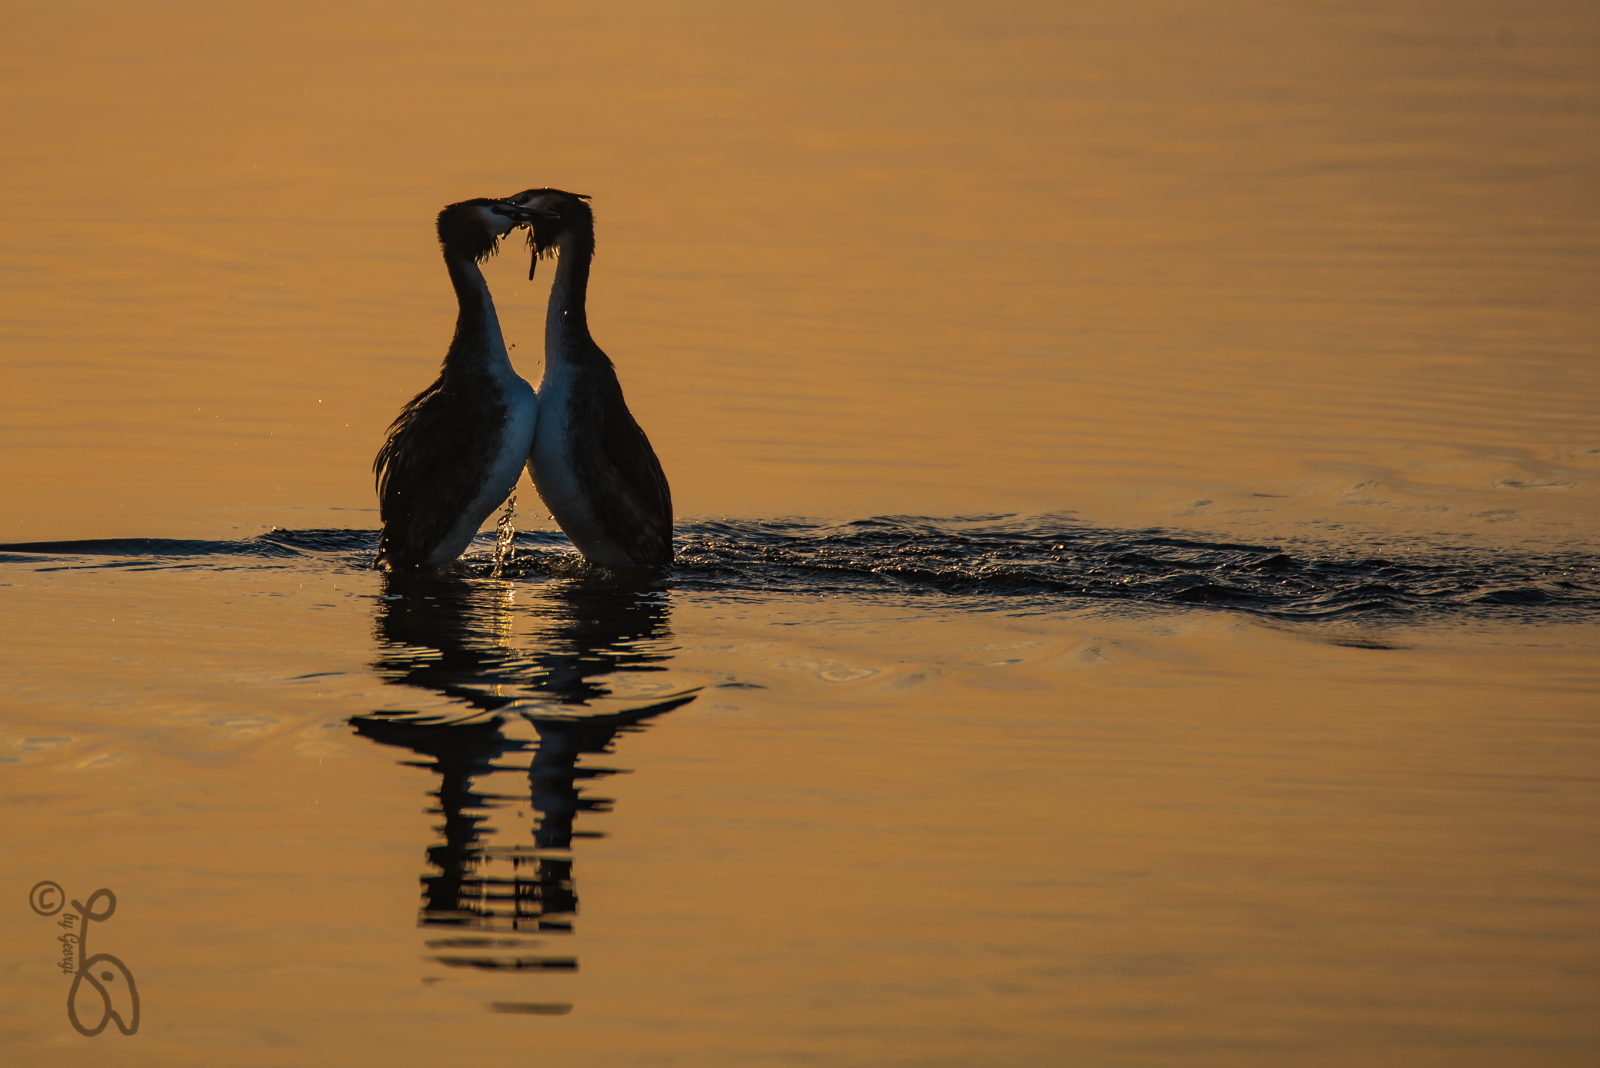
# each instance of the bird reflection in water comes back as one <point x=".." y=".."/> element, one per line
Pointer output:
<point x="454" y="636"/>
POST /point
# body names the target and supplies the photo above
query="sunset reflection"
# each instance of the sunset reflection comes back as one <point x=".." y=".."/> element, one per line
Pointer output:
<point x="453" y="636"/>
<point x="1136" y="483"/>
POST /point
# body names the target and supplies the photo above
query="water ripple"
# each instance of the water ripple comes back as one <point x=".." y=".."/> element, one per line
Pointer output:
<point x="1034" y="563"/>
<point x="1009" y="563"/>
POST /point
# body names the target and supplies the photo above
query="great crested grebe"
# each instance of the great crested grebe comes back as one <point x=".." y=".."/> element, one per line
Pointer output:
<point x="593" y="466"/>
<point x="454" y="453"/>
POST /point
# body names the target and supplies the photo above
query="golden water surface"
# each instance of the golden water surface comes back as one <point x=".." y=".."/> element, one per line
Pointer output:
<point x="1254" y="271"/>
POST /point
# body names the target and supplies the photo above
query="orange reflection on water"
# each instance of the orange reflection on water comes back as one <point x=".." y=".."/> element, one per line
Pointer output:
<point x="1289" y="263"/>
<point x="1274" y="270"/>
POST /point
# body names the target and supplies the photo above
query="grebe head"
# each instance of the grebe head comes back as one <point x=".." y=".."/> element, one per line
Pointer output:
<point x="559" y="215"/>
<point x="473" y="228"/>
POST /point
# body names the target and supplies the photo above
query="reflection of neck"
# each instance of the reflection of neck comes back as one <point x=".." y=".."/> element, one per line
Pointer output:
<point x="566" y="322"/>
<point x="442" y="893"/>
<point x="477" y="345"/>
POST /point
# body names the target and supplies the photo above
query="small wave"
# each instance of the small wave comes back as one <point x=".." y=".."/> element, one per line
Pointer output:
<point x="1010" y="563"/>
<point x="1050" y="561"/>
<point x="142" y="547"/>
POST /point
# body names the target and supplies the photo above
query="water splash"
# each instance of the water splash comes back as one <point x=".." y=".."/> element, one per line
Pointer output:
<point x="505" y="535"/>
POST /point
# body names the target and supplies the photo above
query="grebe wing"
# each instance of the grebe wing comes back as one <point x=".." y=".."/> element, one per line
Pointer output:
<point x="421" y="491"/>
<point x="640" y="505"/>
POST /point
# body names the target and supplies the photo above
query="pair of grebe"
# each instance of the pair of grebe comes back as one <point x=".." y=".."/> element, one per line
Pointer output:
<point x="455" y="452"/>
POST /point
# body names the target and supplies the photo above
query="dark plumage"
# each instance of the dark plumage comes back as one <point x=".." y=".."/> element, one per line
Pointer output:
<point x="454" y="453"/>
<point x="437" y="436"/>
<point x="609" y="450"/>
<point x="592" y="464"/>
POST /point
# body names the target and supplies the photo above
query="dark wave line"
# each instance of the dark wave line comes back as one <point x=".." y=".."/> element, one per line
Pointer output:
<point x="1050" y="562"/>
<point x="165" y="548"/>
<point x="1013" y="563"/>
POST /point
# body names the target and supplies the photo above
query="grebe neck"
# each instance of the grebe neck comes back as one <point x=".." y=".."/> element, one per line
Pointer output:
<point x="566" y="322"/>
<point x="478" y="344"/>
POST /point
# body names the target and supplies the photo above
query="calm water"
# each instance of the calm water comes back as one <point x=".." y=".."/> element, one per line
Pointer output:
<point x="1138" y="473"/>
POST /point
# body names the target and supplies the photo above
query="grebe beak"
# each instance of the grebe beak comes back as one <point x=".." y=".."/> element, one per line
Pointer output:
<point x="523" y="216"/>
